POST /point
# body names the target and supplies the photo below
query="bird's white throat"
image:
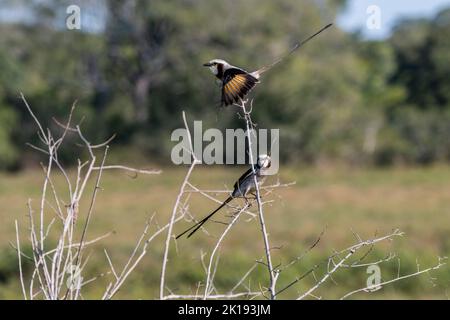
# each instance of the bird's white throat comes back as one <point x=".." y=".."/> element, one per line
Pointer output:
<point x="214" y="69"/>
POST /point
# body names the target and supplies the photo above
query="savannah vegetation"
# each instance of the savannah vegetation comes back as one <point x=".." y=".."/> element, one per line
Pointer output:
<point x="364" y="129"/>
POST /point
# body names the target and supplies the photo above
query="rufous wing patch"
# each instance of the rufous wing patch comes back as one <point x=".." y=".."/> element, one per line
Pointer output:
<point x="236" y="87"/>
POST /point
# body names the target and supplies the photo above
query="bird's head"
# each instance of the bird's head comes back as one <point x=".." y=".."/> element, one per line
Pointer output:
<point x="217" y="66"/>
<point x="264" y="161"/>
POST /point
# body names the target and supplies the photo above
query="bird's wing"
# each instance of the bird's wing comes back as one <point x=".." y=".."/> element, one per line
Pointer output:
<point x="236" y="84"/>
<point x="242" y="178"/>
<point x="237" y="186"/>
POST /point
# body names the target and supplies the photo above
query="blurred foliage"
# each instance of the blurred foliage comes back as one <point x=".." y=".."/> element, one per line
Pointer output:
<point x="340" y="98"/>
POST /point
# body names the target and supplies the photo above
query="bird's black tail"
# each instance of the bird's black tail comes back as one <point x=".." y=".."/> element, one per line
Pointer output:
<point x="298" y="45"/>
<point x="202" y="222"/>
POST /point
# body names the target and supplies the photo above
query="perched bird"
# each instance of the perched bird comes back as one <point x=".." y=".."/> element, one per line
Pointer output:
<point x="236" y="82"/>
<point x="243" y="186"/>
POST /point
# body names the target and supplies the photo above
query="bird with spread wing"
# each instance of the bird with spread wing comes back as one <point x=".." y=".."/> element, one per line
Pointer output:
<point x="236" y="82"/>
<point x="243" y="186"/>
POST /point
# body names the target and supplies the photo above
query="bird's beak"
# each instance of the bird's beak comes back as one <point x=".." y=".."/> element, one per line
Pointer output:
<point x="208" y="64"/>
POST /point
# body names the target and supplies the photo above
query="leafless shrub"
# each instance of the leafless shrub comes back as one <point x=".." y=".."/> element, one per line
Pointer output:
<point x="337" y="261"/>
<point x="58" y="271"/>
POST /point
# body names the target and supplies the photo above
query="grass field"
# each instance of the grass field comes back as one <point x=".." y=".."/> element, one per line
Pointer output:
<point x="342" y="199"/>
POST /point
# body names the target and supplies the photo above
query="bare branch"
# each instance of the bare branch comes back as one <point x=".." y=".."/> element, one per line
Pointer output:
<point x="217" y="296"/>
<point x="19" y="256"/>
<point x="440" y="264"/>
<point x="272" y="273"/>
<point x="174" y="212"/>
<point x="209" y="275"/>
<point x="120" y="167"/>
<point x="41" y="130"/>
